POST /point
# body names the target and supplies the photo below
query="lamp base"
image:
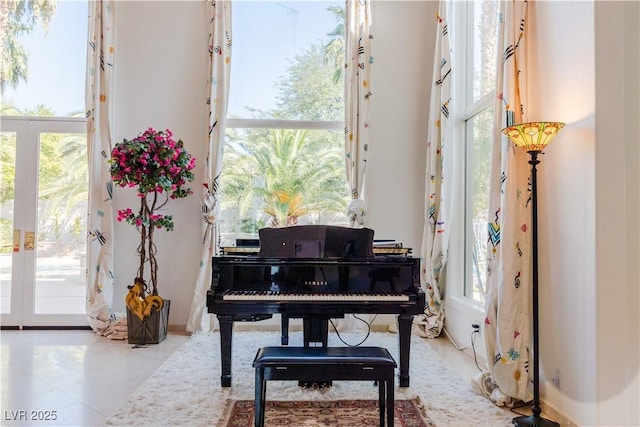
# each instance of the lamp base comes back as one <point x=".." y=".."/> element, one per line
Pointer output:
<point x="533" y="421"/>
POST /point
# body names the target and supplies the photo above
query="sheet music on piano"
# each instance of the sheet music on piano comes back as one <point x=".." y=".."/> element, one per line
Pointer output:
<point x="386" y="243"/>
<point x="380" y="247"/>
<point x="390" y="247"/>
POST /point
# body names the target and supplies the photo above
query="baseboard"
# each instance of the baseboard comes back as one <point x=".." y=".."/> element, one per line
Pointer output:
<point x="548" y="411"/>
<point x="551" y="413"/>
<point x="46" y="328"/>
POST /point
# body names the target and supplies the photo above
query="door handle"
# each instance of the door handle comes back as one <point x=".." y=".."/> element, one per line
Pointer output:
<point x="16" y="240"/>
<point x="29" y="240"/>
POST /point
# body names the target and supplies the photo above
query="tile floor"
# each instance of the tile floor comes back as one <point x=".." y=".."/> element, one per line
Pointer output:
<point x="80" y="379"/>
<point x="76" y="377"/>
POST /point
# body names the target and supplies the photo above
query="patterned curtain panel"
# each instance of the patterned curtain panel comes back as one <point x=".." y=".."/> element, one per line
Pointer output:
<point x="435" y="235"/>
<point x="508" y="300"/>
<point x="98" y="95"/>
<point x="359" y="59"/>
<point x="220" y="66"/>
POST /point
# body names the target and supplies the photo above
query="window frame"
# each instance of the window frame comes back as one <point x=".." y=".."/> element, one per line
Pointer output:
<point x="459" y="272"/>
<point x="284" y="124"/>
<point x="291" y="124"/>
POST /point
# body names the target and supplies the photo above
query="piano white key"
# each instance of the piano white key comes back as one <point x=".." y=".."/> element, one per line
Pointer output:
<point x="274" y="296"/>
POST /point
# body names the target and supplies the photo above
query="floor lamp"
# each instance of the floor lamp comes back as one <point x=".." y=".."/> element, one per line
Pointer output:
<point x="533" y="138"/>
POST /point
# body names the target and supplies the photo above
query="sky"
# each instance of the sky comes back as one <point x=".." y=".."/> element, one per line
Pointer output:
<point x="266" y="34"/>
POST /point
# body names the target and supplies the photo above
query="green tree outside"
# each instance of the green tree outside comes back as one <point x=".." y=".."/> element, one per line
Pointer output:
<point x="334" y="49"/>
<point x="307" y="91"/>
<point x="62" y="170"/>
<point x="19" y="17"/>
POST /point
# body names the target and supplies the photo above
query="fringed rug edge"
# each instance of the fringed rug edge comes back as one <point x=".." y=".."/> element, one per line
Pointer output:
<point x="230" y="405"/>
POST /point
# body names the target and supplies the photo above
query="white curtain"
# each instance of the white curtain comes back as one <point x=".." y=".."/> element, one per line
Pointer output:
<point x="219" y="14"/>
<point x="357" y="95"/>
<point x="359" y="60"/>
<point x="99" y="97"/>
<point x="435" y="233"/>
<point x="508" y="301"/>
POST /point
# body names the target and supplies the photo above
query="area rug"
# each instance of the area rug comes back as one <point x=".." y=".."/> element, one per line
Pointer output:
<point x="353" y="413"/>
<point x="186" y="391"/>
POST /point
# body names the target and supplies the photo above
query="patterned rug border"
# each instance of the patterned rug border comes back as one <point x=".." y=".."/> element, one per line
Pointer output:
<point x="408" y="412"/>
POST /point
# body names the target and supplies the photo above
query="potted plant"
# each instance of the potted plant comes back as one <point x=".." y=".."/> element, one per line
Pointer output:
<point x="160" y="168"/>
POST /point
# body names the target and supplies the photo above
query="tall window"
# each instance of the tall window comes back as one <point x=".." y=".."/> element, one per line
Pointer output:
<point x="43" y="166"/>
<point x="475" y="42"/>
<point x="283" y="159"/>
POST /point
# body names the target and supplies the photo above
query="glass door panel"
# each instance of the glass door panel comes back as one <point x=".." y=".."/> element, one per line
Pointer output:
<point x="60" y="273"/>
<point x="478" y="163"/>
<point x="8" y="232"/>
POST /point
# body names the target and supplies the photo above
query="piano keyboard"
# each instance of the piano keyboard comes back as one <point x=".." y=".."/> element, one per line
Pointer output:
<point x="320" y="297"/>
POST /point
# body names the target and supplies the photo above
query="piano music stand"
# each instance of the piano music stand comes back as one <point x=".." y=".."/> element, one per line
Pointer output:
<point x="333" y="241"/>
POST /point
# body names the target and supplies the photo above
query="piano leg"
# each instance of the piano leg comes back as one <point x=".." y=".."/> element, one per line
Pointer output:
<point x="404" y="337"/>
<point x="226" y="335"/>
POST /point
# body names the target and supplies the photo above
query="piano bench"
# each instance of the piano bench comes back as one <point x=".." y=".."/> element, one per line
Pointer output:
<point x="325" y="364"/>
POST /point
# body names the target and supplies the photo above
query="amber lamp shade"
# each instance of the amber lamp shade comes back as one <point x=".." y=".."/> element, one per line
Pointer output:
<point x="533" y="136"/>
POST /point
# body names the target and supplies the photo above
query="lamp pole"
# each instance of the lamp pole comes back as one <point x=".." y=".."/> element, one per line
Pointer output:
<point x="535" y="419"/>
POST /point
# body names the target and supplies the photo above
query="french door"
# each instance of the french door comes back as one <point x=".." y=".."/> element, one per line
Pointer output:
<point x="43" y="212"/>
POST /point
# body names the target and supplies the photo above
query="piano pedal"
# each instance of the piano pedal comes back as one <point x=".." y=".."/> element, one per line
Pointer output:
<point x="316" y="385"/>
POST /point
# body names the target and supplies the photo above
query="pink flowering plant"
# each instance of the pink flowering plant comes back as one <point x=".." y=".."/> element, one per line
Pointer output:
<point x="161" y="169"/>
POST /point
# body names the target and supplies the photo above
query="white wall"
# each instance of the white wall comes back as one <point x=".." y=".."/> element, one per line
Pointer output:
<point x="617" y="212"/>
<point x="404" y="44"/>
<point x="161" y="69"/>
<point x="558" y="92"/>
<point x="403" y="50"/>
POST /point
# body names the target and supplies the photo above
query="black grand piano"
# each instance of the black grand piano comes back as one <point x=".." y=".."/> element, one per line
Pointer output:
<point x="316" y="273"/>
